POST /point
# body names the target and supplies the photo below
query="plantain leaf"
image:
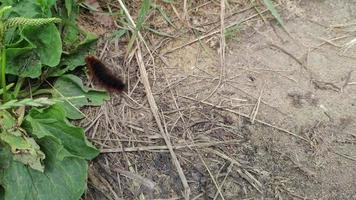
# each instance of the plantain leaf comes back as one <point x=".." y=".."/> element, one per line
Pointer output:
<point x="47" y="41"/>
<point x="51" y="122"/>
<point x="22" y="147"/>
<point x="71" y="86"/>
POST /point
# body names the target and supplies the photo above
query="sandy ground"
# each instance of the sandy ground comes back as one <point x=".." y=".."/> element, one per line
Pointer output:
<point x="272" y="119"/>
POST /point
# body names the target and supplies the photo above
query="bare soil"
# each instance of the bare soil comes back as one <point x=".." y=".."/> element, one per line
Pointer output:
<point x="274" y="118"/>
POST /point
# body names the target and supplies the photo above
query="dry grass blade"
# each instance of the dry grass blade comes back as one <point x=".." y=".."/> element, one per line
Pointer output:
<point x="256" y="108"/>
<point x="344" y="156"/>
<point x="243" y="173"/>
<point x="229" y="169"/>
<point x="141" y="180"/>
<point x="101" y="184"/>
<point x="211" y="176"/>
<point x="185" y="9"/>
<point x="154" y="109"/>
<point x="222" y="48"/>
<point x="165" y="147"/>
<point x="348" y="45"/>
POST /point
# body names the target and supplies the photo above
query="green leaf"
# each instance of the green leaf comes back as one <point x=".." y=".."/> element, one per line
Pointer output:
<point x="164" y="15"/>
<point x="62" y="179"/>
<point x="272" y="9"/>
<point x="30" y="9"/>
<point x="6" y="120"/>
<point x="71" y="36"/>
<point x="69" y="5"/>
<point x="23" y="148"/>
<point x="71" y="33"/>
<point x="47" y="4"/>
<point x="74" y="59"/>
<point x="118" y="34"/>
<point x="70" y="86"/>
<point x="144" y="10"/>
<point x="5" y="160"/>
<point x="66" y="149"/>
<point x="23" y="62"/>
<point x="51" y="122"/>
<point x="47" y="41"/>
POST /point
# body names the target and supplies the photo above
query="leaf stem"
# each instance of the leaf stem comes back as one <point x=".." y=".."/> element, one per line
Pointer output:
<point x="18" y="86"/>
<point x="3" y="72"/>
<point x="7" y="87"/>
<point x="42" y="91"/>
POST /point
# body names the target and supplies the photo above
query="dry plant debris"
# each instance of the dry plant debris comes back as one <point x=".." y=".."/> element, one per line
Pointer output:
<point x="224" y="103"/>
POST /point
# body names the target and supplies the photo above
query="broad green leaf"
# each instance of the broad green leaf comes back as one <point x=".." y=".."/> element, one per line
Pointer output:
<point x="75" y="58"/>
<point x="47" y="4"/>
<point x="272" y="9"/>
<point x="47" y="41"/>
<point x="68" y="63"/>
<point x="71" y="86"/>
<point x="30" y="9"/>
<point x="23" y="148"/>
<point x="5" y="159"/>
<point x="52" y="122"/>
<point x="71" y="33"/>
<point x="6" y="120"/>
<point x="13" y="38"/>
<point x="23" y="62"/>
<point x="62" y="179"/>
<point x="71" y="36"/>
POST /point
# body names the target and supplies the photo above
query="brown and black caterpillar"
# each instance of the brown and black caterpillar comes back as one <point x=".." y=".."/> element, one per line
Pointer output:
<point x="104" y="76"/>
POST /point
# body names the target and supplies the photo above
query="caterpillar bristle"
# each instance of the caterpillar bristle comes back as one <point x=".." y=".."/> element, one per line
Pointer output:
<point x="104" y="76"/>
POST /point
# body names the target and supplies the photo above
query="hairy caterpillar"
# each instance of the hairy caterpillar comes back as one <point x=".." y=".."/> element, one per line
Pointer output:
<point x="104" y="76"/>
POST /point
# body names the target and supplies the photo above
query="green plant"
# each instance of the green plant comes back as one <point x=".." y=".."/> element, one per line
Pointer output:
<point x="233" y="32"/>
<point x="42" y="155"/>
<point x="132" y="27"/>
